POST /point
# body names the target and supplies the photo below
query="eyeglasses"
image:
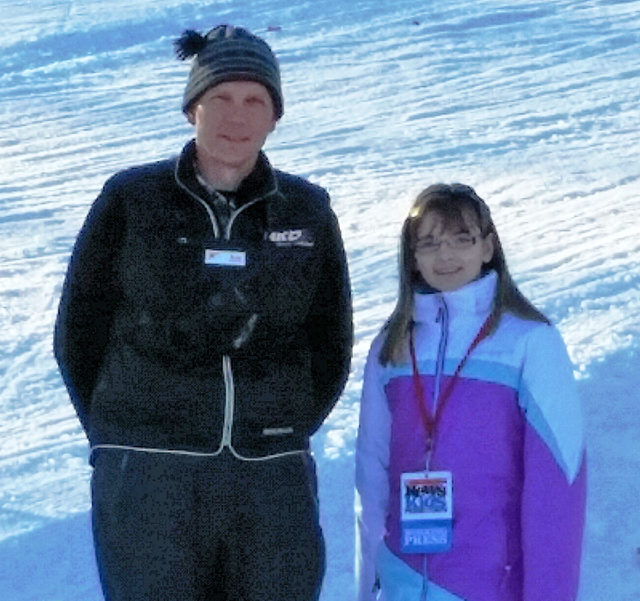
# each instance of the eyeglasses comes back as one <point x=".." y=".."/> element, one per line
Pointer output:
<point x="430" y="246"/>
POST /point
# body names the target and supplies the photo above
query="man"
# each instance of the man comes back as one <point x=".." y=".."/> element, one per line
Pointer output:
<point x="204" y="333"/>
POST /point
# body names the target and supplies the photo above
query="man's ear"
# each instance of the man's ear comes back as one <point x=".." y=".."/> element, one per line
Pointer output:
<point x="191" y="117"/>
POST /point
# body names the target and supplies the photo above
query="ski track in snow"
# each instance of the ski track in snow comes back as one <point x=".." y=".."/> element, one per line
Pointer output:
<point x="536" y="106"/>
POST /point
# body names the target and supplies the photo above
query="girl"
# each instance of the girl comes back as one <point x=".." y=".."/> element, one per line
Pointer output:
<point x="470" y="467"/>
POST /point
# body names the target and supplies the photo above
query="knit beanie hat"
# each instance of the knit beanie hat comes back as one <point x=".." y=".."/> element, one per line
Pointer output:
<point x="228" y="53"/>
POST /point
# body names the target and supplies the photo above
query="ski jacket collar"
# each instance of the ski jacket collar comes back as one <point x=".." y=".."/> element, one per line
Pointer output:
<point x="261" y="182"/>
<point x="474" y="298"/>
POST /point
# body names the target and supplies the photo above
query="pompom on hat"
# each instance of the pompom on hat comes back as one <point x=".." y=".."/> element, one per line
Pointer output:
<point x="228" y="53"/>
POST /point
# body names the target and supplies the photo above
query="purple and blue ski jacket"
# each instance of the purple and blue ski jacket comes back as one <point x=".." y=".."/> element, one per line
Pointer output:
<point x="510" y="433"/>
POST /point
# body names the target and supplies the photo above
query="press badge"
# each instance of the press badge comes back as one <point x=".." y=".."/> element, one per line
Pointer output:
<point x="225" y="258"/>
<point x="426" y="512"/>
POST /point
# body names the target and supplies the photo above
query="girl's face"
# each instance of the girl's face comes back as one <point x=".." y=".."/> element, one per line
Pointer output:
<point x="450" y="258"/>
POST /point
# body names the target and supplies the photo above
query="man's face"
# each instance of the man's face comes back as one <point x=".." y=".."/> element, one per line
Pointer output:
<point x="232" y="121"/>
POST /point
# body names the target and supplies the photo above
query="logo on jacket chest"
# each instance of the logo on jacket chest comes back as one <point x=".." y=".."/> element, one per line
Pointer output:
<point x="291" y="237"/>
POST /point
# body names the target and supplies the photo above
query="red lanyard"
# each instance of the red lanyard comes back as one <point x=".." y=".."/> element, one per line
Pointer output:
<point x="431" y="422"/>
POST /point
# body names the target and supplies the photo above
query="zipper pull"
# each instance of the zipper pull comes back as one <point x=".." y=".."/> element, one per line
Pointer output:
<point x="440" y="314"/>
<point x="376" y="586"/>
<point x="442" y="309"/>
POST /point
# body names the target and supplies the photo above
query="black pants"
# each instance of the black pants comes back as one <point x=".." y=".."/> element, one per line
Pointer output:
<point x="184" y="528"/>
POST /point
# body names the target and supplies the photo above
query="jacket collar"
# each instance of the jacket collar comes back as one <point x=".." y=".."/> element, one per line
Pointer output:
<point x="259" y="183"/>
<point x="474" y="298"/>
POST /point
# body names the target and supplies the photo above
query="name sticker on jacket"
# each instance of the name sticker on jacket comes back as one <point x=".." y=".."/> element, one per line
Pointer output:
<point x="225" y="258"/>
<point x="426" y="512"/>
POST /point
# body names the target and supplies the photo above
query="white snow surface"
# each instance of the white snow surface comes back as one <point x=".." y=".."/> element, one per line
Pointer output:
<point x="535" y="104"/>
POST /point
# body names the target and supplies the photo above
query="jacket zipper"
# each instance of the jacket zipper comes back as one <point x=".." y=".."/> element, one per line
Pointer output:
<point x="227" y="371"/>
<point x="229" y="401"/>
<point x="443" y="319"/>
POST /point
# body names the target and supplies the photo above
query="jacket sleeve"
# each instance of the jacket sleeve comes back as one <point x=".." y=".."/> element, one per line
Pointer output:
<point x="90" y="296"/>
<point x="554" y="490"/>
<point x="330" y="326"/>
<point x="372" y="482"/>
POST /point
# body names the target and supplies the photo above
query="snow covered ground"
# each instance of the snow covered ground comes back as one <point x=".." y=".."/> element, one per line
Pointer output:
<point x="536" y="105"/>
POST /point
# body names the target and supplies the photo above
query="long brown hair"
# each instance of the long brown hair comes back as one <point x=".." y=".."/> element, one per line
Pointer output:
<point x="455" y="204"/>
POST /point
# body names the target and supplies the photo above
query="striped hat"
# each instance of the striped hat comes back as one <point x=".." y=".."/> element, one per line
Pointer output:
<point x="228" y="53"/>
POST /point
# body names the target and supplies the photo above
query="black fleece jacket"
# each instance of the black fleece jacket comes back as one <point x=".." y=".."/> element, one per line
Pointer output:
<point x="162" y="347"/>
